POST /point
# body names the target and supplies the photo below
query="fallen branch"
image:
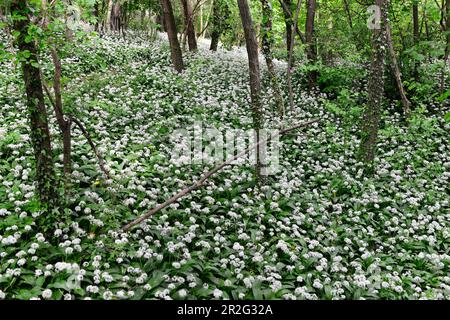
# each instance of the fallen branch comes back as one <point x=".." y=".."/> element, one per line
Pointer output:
<point x="86" y="134"/>
<point x="200" y="183"/>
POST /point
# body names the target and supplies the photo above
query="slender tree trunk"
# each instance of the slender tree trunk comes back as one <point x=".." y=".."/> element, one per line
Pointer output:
<point x="396" y="69"/>
<point x="311" y="48"/>
<point x="286" y="6"/>
<point x="267" y="42"/>
<point x="109" y="5"/>
<point x="415" y="9"/>
<point x="97" y="15"/>
<point x="64" y="125"/>
<point x="372" y="112"/>
<point x="290" y="57"/>
<point x="39" y="130"/>
<point x="288" y="14"/>
<point x="447" y="48"/>
<point x="189" y="24"/>
<point x="255" y="80"/>
<point x="177" y="58"/>
<point x="201" y="17"/>
<point x="216" y="26"/>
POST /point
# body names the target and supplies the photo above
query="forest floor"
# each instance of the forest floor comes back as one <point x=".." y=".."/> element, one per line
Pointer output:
<point x="318" y="230"/>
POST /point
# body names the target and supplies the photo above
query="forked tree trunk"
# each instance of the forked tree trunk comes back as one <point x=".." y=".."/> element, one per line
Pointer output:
<point x="37" y="114"/>
<point x="255" y="80"/>
<point x="175" y="49"/>
<point x="372" y="112"/>
<point x="267" y="42"/>
<point x="189" y="25"/>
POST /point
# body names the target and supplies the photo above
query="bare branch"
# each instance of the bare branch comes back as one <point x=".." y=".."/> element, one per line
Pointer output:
<point x="201" y="182"/>
<point x="92" y="144"/>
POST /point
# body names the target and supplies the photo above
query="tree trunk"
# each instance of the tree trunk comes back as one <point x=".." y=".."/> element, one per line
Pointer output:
<point x="177" y="58"/>
<point x="290" y="57"/>
<point x="219" y="21"/>
<point x="189" y="24"/>
<point x="255" y="80"/>
<point x="447" y="48"/>
<point x="372" y="112"/>
<point x="396" y="69"/>
<point x="286" y="6"/>
<point x="311" y="48"/>
<point x="39" y="130"/>
<point x="107" y="26"/>
<point x="216" y="26"/>
<point x="415" y="9"/>
<point x="64" y="125"/>
<point x="267" y="42"/>
<point x="97" y="16"/>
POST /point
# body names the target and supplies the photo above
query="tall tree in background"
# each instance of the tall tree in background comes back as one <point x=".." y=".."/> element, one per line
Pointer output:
<point x="311" y="48"/>
<point x="175" y="49"/>
<point x="255" y="78"/>
<point x="267" y="41"/>
<point x="372" y="112"/>
<point x="189" y="24"/>
<point x="37" y="114"/>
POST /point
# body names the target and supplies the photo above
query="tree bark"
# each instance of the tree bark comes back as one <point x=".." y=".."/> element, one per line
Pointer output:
<point x="447" y="48"/>
<point x="37" y="114"/>
<point x="175" y="49"/>
<point x="107" y="26"/>
<point x="220" y="13"/>
<point x="415" y="11"/>
<point x="255" y="80"/>
<point x="396" y="69"/>
<point x="189" y="25"/>
<point x="267" y="43"/>
<point x="372" y="112"/>
<point x="311" y="48"/>
<point x="64" y="125"/>
<point x="288" y="14"/>
<point x="286" y="5"/>
<point x="290" y="57"/>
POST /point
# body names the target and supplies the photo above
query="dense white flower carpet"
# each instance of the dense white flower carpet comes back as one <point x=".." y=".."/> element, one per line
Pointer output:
<point x="319" y="229"/>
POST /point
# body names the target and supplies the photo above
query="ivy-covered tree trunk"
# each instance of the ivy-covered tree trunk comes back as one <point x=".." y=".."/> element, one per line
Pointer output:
<point x="267" y="43"/>
<point x="372" y="112"/>
<point x="255" y="79"/>
<point x="37" y="114"/>
<point x="219" y="21"/>
<point x="175" y="49"/>
<point x="189" y="25"/>
<point x="215" y="34"/>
